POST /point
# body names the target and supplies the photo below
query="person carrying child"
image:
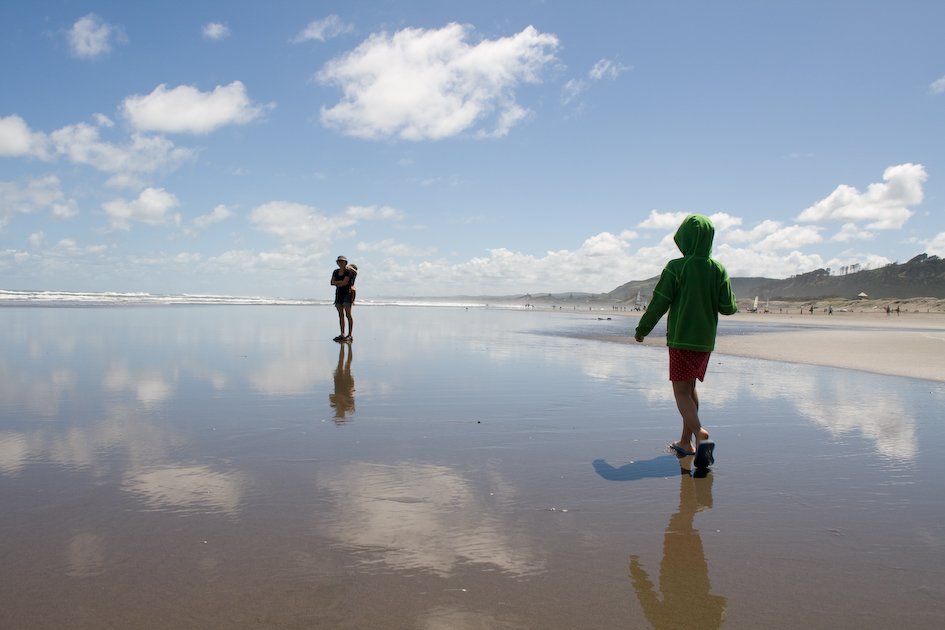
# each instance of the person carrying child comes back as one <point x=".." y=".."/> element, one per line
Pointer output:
<point x="342" y="279"/>
<point x="694" y="289"/>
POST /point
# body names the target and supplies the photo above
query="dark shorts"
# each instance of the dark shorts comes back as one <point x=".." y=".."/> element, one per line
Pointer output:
<point x="345" y="301"/>
<point x="687" y="365"/>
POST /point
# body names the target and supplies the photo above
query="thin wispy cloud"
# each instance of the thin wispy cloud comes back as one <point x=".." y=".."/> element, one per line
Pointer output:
<point x="322" y="30"/>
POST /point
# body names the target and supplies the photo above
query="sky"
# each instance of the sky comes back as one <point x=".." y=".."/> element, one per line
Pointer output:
<point x="461" y="148"/>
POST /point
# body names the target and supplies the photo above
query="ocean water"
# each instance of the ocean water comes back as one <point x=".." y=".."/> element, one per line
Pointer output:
<point x="229" y="465"/>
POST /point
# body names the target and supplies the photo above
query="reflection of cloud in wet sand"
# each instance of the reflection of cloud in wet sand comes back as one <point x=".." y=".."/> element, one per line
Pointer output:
<point x="422" y="517"/>
<point x="193" y="488"/>
<point x="86" y="555"/>
<point x="41" y="394"/>
<point x="150" y="388"/>
<point x="843" y="403"/>
<point x="442" y="618"/>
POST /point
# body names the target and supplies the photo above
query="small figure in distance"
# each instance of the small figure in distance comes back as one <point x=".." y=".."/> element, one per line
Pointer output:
<point x="342" y="279"/>
<point x="694" y="289"/>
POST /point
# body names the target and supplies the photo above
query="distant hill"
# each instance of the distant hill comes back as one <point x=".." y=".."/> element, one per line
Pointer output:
<point x="923" y="276"/>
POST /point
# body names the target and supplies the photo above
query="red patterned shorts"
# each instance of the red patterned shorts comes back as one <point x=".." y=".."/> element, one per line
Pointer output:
<point x="687" y="365"/>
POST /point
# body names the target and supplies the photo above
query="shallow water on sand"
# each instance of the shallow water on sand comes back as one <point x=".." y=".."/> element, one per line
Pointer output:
<point x="231" y="466"/>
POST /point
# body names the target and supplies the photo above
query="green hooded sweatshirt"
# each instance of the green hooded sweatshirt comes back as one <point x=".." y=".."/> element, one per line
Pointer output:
<point x="694" y="289"/>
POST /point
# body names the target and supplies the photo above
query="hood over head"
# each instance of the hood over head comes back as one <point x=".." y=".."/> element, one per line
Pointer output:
<point x="694" y="236"/>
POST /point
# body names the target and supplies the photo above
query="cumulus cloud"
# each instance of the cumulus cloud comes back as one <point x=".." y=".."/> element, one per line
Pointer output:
<point x="82" y="144"/>
<point x="151" y="207"/>
<point x="219" y="213"/>
<point x="216" y="31"/>
<point x="884" y="206"/>
<point x="323" y="30"/>
<point x="420" y="84"/>
<point x="202" y="222"/>
<point x="92" y="37"/>
<point x="18" y="140"/>
<point x="185" y="109"/>
<point x="297" y="223"/>
<point x="43" y="193"/>
<point x="852" y="232"/>
<point x="936" y="245"/>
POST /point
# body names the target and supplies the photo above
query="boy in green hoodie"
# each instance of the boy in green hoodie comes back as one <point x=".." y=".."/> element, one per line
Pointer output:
<point x="694" y="289"/>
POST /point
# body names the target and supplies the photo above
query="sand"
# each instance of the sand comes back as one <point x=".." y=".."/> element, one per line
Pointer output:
<point x="233" y="467"/>
<point x="910" y="344"/>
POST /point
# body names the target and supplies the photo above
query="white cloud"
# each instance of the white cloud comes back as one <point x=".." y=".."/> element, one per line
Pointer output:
<point x="323" y="29"/>
<point x="219" y="213"/>
<point x="37" y="239"/>
<point x="572" y="89"/>
<point x="936" y="245"/>
<point x="420" y="84"/>
<point x="389" y="247"/>
<point x="608" y="69"/>
<point x="92" y="37"/>
<point x="937" y="86"/>
<point x="103" y="121"/>
<point x="185" y="109"/>
<point x="374" y="212"/>
<point x="791" y="237"/>
<point x="754" y="235"/>
<point x="852" y="232"/>
<point x="17" y="139"/>
<point x="884" y="206"/>
<point x="298" y="223"/>
<point x="216" y="31"/>
<point x="151" y="207"/>
<point x="35" y="195"/>
<point x="82" y="144"/>
<point x="663" y="220"/>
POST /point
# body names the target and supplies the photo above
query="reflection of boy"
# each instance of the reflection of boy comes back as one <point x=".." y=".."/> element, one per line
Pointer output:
<point x="687" y="598"/>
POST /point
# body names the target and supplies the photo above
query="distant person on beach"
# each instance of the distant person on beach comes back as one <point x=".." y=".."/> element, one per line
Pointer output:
<point x="694" y="289"/>
<point x="342" y="279"/>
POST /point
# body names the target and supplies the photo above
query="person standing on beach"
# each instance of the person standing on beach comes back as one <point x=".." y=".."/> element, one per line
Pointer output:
<point x="694" y="289"/>
<point x="342" y="279"/>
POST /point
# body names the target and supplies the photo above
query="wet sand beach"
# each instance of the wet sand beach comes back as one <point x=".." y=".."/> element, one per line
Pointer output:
<point x="910" y="344"/>
<point x="232" y="467"/>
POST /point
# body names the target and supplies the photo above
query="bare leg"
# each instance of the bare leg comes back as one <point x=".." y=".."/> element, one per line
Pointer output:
<point x="350" y="320"/>
<point x="341" y="319"/>
<point x="687" y="401"/>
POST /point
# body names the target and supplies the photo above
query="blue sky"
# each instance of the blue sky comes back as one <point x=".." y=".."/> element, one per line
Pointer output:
<point x="456" y="148"/>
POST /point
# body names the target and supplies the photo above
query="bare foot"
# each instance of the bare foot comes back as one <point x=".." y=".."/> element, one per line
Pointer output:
<point x="701" y="436"/>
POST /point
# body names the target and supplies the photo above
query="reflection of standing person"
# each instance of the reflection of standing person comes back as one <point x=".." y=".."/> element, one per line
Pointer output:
<point x="684" y="573"/>
<point x="342" y="279"/>
<point x="694" y="289"/>
<point x="342" y="400"/>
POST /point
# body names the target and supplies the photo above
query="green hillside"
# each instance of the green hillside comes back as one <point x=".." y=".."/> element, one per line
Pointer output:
<point x="923" y="276"/>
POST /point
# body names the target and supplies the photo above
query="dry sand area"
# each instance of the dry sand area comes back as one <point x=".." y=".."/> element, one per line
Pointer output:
<point x="911" y="344"/>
